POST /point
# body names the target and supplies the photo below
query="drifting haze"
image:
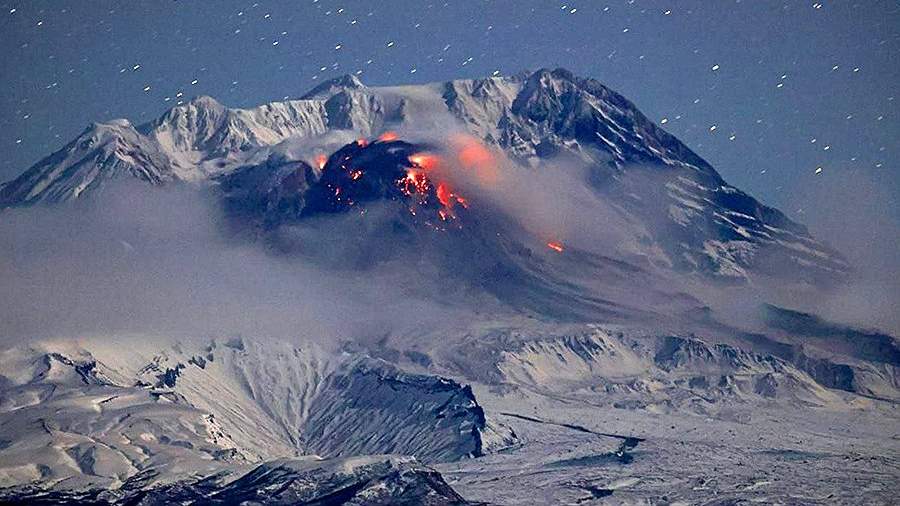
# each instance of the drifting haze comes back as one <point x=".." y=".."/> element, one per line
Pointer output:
<point x="139" y="259"/>
<point x="156" y="262"/>
<point x="868" y="233"/>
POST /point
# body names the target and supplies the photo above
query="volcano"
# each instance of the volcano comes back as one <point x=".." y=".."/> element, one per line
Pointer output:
<point x="695" y="221"/>
<point x="537" y="294"/>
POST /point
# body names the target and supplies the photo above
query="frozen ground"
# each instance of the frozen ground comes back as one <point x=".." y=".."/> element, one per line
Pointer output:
<point x="212" y="420"/>
<point x="765" y="454"/>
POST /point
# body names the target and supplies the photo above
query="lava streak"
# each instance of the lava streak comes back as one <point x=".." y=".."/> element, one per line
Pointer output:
<point x="424" y="168"/>
<point x="448" y="198"/>
<point x="388" y="136"/>
<point x="444" y="194"/>
<point x="556" y="246"/>
<point x="320" y="161"/>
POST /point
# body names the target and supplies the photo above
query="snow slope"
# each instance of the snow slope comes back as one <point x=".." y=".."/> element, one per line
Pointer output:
<point x="100" y="412"/>
<point x="117" y="419"/>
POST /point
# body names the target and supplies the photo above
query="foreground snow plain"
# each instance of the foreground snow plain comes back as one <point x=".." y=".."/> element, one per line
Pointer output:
<point x="561" y="423"/>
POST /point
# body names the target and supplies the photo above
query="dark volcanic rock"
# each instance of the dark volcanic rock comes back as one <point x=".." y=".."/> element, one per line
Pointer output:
<point x="365" y="480"/>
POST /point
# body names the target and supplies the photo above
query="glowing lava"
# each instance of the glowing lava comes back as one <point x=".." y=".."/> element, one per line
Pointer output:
<point x="320" y="161"/>
<point x="414" y="182"/>
<point x="555" y="246"/>
<point x="425" y="167"/>
<point x="425" y="161"/>
<point x="448" y="198"/>
<point x="444" y="195"/>
<point x="424" y="177"/>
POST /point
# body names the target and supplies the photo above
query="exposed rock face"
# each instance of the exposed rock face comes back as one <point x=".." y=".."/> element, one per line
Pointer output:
<point x="429" y="416"/>
<point x="269" y="193"/>
<point x="363" y="480"/>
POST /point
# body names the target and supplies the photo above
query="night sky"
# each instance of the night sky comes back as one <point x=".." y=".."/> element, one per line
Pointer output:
<point x="795" y="102"/>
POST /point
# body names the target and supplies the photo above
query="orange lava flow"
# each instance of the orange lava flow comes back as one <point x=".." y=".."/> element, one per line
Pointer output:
<point x="555" y="246"/>
<point x="320" y="161"/>
<point x="362" y="142"/>
<point x="414" y="182"/>
<point x="388" y="136"/>
<point x="444" y="195"/>
<point x="425" y="168"/>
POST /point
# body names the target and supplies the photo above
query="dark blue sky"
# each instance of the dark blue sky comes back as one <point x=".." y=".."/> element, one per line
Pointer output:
<point x="766" y="91"/>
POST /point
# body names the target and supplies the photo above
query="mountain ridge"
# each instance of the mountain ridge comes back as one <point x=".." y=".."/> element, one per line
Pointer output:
<point x="203" y="117"/>
<point x="699" y="222"/>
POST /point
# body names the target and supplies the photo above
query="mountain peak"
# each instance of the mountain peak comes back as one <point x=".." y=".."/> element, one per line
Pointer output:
<point x="188" y="126"/>
<point x="118" y="122"/>
<point x="332" y="86"/>
<point x="557" y="73"/>
<point x="104" y="151"/>
<point x="205" y="102"/>
<point x="106" y="127"/>
<point x="202" y="104"/>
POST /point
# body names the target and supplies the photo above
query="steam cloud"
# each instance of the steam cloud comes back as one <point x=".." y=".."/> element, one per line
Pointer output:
<point x="155" y="262"/>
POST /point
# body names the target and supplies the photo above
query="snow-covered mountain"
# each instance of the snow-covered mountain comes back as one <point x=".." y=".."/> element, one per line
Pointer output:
<point x="695" y="220"/>
<point x="577" y="257"/>
<point x="103" y="152"/>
